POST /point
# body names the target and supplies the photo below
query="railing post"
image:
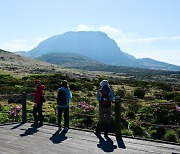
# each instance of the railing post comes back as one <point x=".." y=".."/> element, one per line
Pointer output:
<point x="24" y="107"/>
<point x="118" y="116"/>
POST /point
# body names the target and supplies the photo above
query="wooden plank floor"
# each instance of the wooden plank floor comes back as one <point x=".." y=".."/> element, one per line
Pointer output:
<point x="23" y="139"/>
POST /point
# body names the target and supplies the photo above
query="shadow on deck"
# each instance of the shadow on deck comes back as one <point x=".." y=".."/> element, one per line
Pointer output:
<point x="23" y="138"/>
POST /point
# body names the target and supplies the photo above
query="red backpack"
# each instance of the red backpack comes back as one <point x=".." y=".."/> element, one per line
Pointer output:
<point x="104" y="100"/>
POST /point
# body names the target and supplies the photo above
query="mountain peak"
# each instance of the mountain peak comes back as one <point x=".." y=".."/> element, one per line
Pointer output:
<point x="95" y="45"/>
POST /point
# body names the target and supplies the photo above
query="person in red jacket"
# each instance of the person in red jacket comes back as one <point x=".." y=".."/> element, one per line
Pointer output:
<point x="38" y="104"/>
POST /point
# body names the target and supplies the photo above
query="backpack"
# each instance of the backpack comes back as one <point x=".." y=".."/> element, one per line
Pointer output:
<point x="104" y="100"/>
<point x="61" y="98"/>
<point x="42" y="99"/>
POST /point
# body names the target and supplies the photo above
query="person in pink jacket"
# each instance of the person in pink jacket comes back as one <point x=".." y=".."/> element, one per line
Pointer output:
<point x="38" y="104"/>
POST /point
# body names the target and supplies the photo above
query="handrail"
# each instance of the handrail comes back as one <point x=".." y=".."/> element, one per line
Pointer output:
<point x="117" y="108"/>
<point x="159" y="125"/>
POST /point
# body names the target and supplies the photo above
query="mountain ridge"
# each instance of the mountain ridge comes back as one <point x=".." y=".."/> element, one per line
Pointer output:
<point x="97" y="46"/>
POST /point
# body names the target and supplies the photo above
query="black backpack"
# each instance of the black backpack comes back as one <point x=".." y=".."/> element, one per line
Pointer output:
<point x="61" y="98"/>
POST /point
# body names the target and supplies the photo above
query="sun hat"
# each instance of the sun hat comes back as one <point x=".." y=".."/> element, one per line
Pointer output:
<point x="37" y="82"/>
<point x="104" y="83"/>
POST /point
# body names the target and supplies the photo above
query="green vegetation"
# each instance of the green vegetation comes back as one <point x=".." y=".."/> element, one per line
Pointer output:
<point x="147" y="109"/>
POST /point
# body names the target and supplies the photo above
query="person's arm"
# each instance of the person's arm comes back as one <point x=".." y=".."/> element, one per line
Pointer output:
<point x="70" y="94"/>
<point x="98" y="96"/>
<point x="111" y="96"/>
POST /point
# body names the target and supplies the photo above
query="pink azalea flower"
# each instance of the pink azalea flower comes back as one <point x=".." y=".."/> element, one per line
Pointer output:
<point x="84" y="103"/>
<point x="79" y="103"/>
<point x="18" y="108"/>
<point x="13" y="112"/>
<point x="91" y="106"/>
<point x="83" y="106"/>
<point x="178" y="108"/>
<point x="87" y="108"/>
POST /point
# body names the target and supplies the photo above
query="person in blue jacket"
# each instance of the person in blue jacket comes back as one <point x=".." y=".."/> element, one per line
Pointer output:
<point x="64" y="108"/>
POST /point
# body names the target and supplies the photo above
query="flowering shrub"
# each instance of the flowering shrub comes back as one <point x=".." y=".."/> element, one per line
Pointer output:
<point x="86" y="108"/>
<point x="15" y="111"/>
<point x="85" y="113"/>
<point x="178" y="108"/>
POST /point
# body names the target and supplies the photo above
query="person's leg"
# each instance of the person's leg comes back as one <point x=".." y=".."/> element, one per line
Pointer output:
<point x="35" y="116"/>
<point x="66" y="117"/>
<point x="108" y="120"/>
<point x="100" y="122"/>
<point x="59" y="117"/>
<point x="40" y="114"/>
<point x="107" y="114"/>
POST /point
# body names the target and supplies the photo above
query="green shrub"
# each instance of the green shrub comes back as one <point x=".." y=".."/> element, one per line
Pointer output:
<point x="46" y="119"/>
<point x="126" y="132"/>
<point x="177" y="99"/>
<point x="165" y="87"/>
<point x="134" y="105"/>
<point x="75" y="87"/>
<point x="154" y="134"/>
<point x="157" y="133"/>
<point x="52" y="119"/>
<point x="89" y="94"/>
<point x="120" y="92"/>
<point x="171" y="136"/>
<point x="139" y="92"/>
<point x="160" y="132"/>
<point x="178" y="132"/>
<point x="130" y="115"/>
<point x="129" y="95"/>
<point x="137" y="130"/>
<point x="169" y="95"/>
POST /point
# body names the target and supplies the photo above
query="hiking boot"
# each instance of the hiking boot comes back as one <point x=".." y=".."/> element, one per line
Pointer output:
<point x="66" y="128"/>
<point x="40" y="124"/>
<point x="34" y="124"/>
<point x="107" y="130"/>
<point x="97" y="133"/>
<point x="106" y="135"/>
<point x="98" y="129"/>
<point x="59" y="128"/>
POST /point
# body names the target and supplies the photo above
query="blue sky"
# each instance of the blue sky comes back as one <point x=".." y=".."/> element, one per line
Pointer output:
<point x="142" y="28"/>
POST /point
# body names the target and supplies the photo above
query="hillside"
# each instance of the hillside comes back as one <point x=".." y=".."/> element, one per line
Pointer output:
<point x="18" y="64"/>
<point x="97" y="46"/>
<point x="70" y="60"/>
<point x="92" y="67"/>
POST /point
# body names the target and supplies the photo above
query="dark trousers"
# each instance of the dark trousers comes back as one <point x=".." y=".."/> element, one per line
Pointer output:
<point x="38" y="109"/>
<point x="66" y="116"/>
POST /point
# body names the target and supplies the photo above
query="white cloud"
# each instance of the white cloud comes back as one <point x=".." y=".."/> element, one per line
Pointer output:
<point x="125" y="37"/>
<point x="110" y="31"/>
<point x="130" y="41"/>
<point x="21" y="44"/>
<point x="85" y="28"/>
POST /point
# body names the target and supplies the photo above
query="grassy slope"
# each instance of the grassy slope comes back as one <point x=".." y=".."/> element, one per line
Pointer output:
<point x="69" y="60"/>
<point x="20" y="66"/>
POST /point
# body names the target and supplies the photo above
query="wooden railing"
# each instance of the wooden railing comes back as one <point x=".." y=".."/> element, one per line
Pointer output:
<point x="117" y="113"/>
<point x="118" y="104"/>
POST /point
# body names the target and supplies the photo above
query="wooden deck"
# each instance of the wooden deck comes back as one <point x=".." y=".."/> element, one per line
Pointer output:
<point x="23" y="139"/>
